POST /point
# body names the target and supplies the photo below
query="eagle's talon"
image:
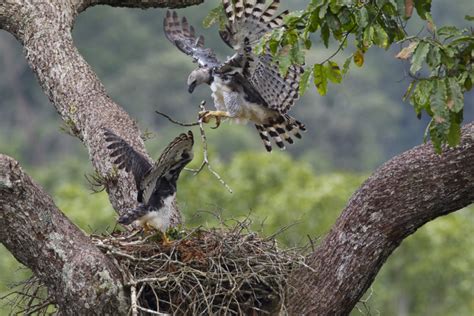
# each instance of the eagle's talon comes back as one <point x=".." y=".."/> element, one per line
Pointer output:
<point x="206" y="116"/>
<point x="218" y="122"/>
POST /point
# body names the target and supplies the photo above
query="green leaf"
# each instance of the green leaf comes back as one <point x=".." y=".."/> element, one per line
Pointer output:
<point x="380" y="36"/>
<point x="320" y="79"/>
<point x="368" y="36"/>
<point x="455" y="101"/>
<point x="420" y="97"/>
<point x="422" y="8"/>
<point x="454" y="134"/>
<point x="363" y="19"/>
<point x="323" y="10"/>
<point x="419" y="56"/>
<point x="273" y="45"/>
<point x="436" y="136"/>
<point x="409" y="90"/>
<point x="438" y="101"/>
<point x="359" y="58"/>
<point x="433" y="59"/>
<point x="325" y="34"/>
<point x="284" y="62"/>
<point x="347" y="64"/>
<point x="304" y="82"/>
<point x="333" y="72"/>
<point x="401" y="8"/>
<point x="313" y="22"/>
<point x="449" y="31"/>
<point x="469" y="17"/>
<point x="216" y="15"/>
<point x="468" y="83"/>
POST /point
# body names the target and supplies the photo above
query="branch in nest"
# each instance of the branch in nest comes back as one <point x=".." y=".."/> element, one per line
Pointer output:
<point x="205" y="161"/>
<point x="218" y="271"/>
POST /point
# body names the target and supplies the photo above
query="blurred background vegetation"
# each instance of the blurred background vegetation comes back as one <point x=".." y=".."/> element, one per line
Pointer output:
<point x="355" y="128"/>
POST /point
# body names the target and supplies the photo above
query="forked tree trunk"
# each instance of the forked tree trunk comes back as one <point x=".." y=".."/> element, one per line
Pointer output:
<point x="405" y="193"/>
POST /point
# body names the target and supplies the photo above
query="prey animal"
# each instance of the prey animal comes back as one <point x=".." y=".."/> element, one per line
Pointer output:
<point x="156" y="183"/>
<point x="248" y="86"/>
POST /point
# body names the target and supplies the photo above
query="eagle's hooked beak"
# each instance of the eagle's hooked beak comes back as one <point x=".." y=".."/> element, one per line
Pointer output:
<point x="191" y="87"/>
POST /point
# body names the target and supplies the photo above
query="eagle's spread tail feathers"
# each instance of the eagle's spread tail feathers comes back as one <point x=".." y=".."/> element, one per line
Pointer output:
<point x="280" y="129"/>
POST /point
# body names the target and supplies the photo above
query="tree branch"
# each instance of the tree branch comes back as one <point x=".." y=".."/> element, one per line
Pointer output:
<point x="143" y="4"/>
<point x="44" y="29"/>
<point x="401" y="196"/>
<point x="80" y="278"/>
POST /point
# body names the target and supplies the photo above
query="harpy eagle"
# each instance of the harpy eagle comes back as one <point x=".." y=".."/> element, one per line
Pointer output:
<point x="247" y="87"/>
<point x="156" y="184"/>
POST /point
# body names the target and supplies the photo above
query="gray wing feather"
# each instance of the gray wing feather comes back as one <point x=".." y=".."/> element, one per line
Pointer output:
<point x="125" y="157"/>
<point x="171" y="162"/>
<point x="183" y="36"/>
<point x="242" y="32"/>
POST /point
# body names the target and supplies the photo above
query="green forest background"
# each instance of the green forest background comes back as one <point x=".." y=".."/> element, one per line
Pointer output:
<point x="351" y="131"/>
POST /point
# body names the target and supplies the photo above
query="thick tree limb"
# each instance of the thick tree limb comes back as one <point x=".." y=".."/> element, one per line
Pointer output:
<point x="397" y="199"/>
<point x="44" y="29"/>
<point x="143" y="4"/>
<point x="80" y="278"/>
<point x="402" y="195"/>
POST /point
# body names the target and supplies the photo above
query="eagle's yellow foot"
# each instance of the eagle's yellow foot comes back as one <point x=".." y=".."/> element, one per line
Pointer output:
<point x="147" y="229"/>
<point x="166" y="241"/>
<point x="206" y="117"/>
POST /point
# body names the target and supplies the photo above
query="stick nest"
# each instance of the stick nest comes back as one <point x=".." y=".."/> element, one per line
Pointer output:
<point x="217" y="271"/>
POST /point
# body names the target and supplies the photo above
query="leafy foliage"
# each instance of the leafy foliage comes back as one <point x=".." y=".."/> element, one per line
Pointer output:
<point x="447" y="53"/>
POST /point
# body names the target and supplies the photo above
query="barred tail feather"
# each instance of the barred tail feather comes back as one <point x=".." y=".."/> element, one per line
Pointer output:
<point x="281" y="129"/>
<point x="264" y="136"/>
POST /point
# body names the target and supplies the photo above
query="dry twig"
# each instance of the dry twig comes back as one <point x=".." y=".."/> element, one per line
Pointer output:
<point x="225" y="271"/>
<point x="205" y="161"/>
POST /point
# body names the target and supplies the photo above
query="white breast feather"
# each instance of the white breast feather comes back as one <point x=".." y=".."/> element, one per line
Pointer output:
<point x="217" y="94"/>
<point x="159" y="219"/>
<point x="247" y="111"/>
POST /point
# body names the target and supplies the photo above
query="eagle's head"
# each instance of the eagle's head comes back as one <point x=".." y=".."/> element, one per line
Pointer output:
<point x="198" y="76"/>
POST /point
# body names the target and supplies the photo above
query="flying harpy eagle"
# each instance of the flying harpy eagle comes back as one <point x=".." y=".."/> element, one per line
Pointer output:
<point x="156" y="184"/>
<point x="247" y="87"/>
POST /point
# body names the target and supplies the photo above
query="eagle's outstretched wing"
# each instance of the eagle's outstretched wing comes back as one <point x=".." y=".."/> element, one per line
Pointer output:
<point x="125" y="157"/>
<point x="170" y="164"/>
<point x="248" y="21"/>
<point x="183" y="36"/>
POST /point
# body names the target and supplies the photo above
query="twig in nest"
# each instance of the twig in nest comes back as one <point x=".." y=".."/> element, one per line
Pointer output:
<point x="205" y="161"/>
<point x="206" y="272"/>
<point x="133" y="298"/>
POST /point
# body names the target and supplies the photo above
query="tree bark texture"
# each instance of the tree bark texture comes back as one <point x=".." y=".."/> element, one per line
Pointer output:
<point x="80" y="278"/>
<point x="44" y="30"/>
<point x="406" y="192"/>
<point x="402" y="195"/>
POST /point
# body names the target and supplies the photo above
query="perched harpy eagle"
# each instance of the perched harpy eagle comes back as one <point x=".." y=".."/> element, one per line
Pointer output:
<point x="156" y="184"/>
<point x="247" y="87"/>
